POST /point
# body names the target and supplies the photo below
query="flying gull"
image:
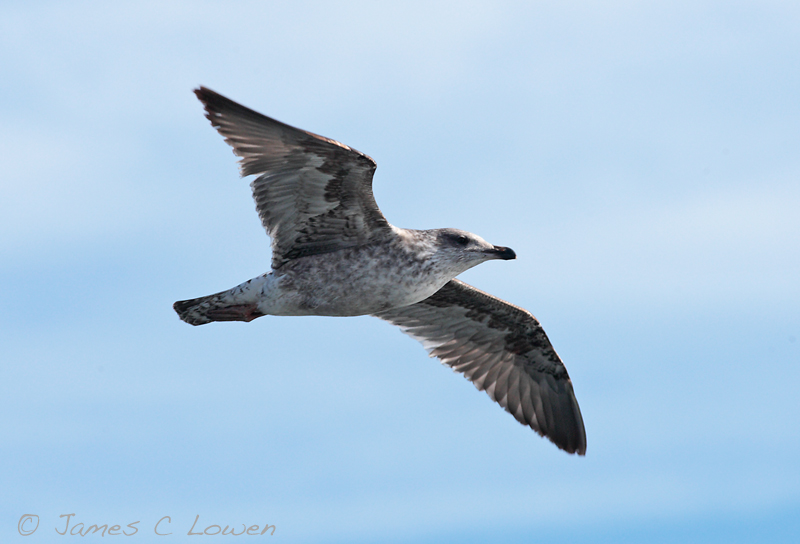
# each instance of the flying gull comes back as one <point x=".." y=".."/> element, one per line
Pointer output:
<point x="335" y="254"/>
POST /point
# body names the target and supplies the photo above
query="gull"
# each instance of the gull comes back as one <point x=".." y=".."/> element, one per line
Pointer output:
<point x="335" y="254"/>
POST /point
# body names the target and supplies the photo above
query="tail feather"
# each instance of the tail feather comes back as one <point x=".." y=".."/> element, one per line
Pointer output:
<point x="199" y="311"/>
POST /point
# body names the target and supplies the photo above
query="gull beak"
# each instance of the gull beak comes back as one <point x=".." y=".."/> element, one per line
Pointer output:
<point x="505" y="253"/>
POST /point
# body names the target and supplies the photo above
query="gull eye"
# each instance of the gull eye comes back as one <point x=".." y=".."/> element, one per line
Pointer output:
<point x="462" y="240"/>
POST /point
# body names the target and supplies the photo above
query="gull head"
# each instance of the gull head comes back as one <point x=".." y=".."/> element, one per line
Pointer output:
<point x="462" y="250"/>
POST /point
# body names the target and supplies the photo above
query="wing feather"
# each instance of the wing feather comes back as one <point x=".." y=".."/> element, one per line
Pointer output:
<point x="503" y="350"/>
<point x="313" y="194"/>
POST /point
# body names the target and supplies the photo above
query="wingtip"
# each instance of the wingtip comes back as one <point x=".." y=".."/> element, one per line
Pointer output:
<point x="573" y="444"/>
<point x="559" y="419"/>
<point x="212" y="100"/>
<point x="207" y="96"/>
<point x="577" y="449"/>
<point x="202" y="91"/>
<point x="573" y="438"/>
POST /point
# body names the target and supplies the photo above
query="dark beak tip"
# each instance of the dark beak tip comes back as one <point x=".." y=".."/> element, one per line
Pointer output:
<point x="505" y="253"/>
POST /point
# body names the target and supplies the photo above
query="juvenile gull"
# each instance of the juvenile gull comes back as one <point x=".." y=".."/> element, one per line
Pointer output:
<point x="335" y="254"/>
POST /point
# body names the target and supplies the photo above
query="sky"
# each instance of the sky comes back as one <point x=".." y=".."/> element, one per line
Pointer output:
<point x="641" y="158"/>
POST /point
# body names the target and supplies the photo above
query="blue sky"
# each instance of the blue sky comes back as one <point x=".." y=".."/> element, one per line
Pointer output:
<point x="641" y="158"/>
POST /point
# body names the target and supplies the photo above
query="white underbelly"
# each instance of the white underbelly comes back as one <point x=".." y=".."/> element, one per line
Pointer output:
<point x="327" y="287"/>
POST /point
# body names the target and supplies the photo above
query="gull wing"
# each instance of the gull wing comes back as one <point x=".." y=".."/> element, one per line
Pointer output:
<point x="503" y="350"/>
<point x="313" y="194"/>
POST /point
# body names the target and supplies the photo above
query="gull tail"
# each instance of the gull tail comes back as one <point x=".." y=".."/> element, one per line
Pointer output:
<point x="199" y="311"/>
<point x="237" y="304"/>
